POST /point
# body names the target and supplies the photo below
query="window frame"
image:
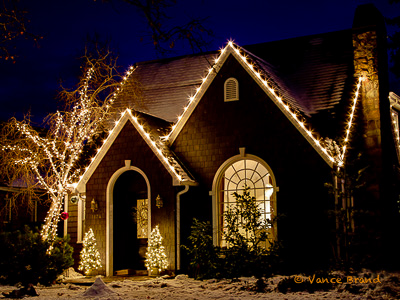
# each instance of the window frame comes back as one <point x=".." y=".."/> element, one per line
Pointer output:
<point x="81" y="219"/>
<point x="217" y="192"/>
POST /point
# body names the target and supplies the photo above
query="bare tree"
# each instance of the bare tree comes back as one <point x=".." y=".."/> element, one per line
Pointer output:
<point x="165" y="37"/>
<point x="49" y="159"/>
<point x="12" y="28"/>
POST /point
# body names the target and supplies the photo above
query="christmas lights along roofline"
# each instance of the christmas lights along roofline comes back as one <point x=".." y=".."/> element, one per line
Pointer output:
<point x="289" y="112"/>
<point x="179" y="176"/>
<point x="395" y="102"/>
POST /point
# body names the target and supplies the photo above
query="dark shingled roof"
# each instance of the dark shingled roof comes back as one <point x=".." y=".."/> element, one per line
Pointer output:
<point x="165" y="85"/>
<point x="314" y="74"/>
<point x="312" y="70"/>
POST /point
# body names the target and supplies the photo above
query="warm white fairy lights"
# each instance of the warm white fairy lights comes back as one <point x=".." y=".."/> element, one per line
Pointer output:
<point x="156" y="146"/>
<point x="283" y="105"/>
<point x="90" y="255"/>
<point x="394" y="113"/>
<point x="350" y="122"/>
<point x="53" y="158"/>
<point x="288" y="111"/>
<point x="156" y="258"/>
<point x="395" y="130"/>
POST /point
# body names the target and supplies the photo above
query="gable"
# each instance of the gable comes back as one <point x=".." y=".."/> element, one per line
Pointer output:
<point x="216" y="130"/>
<point x="179" y="175"/>
<point x="267" y="88"/>
<point x="160" y="80"/>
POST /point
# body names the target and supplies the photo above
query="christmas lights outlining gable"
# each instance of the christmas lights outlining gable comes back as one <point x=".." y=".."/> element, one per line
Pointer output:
<point x="316" y="90"/>
<point x="260" y="78"/>
<point x="172" y="166"/>
<point x="350" y="122"/>
<point x="73" y="128"/>
<point x="159" y="147"/>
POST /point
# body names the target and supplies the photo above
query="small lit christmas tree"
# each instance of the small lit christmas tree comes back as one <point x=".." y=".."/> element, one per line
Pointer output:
<point x="155" y="256"/>
<point x="90" y="256"/>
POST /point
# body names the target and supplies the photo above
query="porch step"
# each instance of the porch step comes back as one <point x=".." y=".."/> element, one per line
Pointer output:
<point x="126" y="272"/>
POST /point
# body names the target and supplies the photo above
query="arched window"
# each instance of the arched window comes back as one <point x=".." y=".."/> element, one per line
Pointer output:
<point x="231" y="90"/>
<point x="234" y="176"/>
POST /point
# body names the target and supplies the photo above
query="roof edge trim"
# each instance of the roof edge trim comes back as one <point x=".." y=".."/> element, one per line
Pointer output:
<point x="125" y="116"/>
<point x="233" y="49"/>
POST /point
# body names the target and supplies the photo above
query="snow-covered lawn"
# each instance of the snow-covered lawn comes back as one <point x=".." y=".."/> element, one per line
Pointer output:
<point x="386" y="286"/>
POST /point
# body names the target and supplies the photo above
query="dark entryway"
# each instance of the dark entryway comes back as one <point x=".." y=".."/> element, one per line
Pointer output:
<point x="129" y="247"/>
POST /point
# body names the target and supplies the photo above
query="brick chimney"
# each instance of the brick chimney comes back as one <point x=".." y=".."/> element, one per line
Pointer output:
<point x="370" y="61"/>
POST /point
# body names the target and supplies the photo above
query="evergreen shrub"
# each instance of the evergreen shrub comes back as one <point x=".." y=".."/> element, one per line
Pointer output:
<point x="245" y="233"/>
<point x="204" y="256"/>
<point x="24" y="258"/>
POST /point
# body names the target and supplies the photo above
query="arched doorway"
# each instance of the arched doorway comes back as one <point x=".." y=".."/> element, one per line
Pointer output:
<point x="130" y="211"/>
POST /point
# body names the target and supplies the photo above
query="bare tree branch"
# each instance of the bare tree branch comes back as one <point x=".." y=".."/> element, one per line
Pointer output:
<point x="164" y="37"/>
<point x="12" y="28"/>
<point x="49" y="159"/>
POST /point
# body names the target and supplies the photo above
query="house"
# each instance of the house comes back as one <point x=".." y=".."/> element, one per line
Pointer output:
<point x="30" y="212"/>
<point x="284" y="118"/>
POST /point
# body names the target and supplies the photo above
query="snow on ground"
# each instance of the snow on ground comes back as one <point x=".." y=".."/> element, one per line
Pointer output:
<point x="365" y="285"/>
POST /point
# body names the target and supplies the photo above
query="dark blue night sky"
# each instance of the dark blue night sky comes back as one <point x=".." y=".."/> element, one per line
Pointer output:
<point x="32" y="82"/>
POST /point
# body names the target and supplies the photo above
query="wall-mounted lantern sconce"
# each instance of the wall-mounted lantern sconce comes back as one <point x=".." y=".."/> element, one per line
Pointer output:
<point x="159" y="201"/>
<point x="94" y="206"/>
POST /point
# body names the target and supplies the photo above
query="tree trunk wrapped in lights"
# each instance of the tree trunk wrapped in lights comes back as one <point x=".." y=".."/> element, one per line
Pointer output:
<point x="90" y="256"/>
<point x="52" y="159"/>
<point x="156" y="259"/>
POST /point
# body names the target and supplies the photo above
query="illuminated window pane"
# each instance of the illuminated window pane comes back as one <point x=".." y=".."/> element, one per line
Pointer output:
<point x="236" y="177"/>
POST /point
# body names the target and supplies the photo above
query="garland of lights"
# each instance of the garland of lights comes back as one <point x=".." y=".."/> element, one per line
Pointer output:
<point x="338" y="160"/>
<point x="157" y="150"/>
<point x="350" y="122"/>
<point x="156" y="259"/>
<point x="90" y="256"/>
<point x="281" y="103"/>
<point x="52" y="158"/>
<point x="395" y="126"/>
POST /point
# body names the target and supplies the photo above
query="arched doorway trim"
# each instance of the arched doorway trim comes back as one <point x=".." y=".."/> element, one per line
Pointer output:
<point x="110" y="211"/>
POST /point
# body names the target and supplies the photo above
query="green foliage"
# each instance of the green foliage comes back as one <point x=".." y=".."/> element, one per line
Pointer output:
<point x="355" y="216"/>
<point x="245" y="228"/>
<point x="204" y="255"/>
<point x="24" y="258"/>
<point x="90" y="256"/>
<point x="246" y="234"/>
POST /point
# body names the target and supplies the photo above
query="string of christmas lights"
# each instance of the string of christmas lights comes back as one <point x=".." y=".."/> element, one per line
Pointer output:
<point x="53" y="158"/>
<point x="395" y="129"/>
<point x="193" y="100"/>
<point x="156" y="259"/>
<point x="157" y="148"/>
<point x="285" y="107"/>
<point x="90" y="255"/>
<point x="350" y="121"/>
